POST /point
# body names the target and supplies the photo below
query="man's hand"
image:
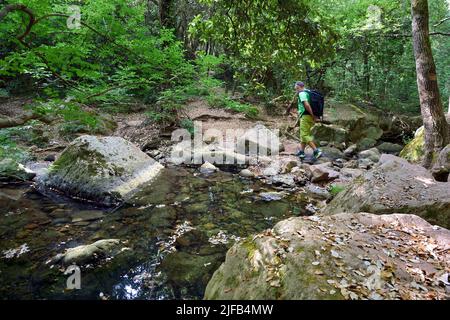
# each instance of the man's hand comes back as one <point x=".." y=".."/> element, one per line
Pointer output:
<point x="316" y="119"/>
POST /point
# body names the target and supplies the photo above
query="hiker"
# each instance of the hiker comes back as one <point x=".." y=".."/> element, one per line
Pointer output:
<point x="307" y="121"/>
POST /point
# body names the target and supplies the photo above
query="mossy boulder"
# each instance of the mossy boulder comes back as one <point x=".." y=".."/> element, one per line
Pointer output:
<point x="414" y="151"/>
<point x="345" y="256"/>
<point x="334" y="133"/>
<point x="106" y="170"/>
<point x="396" y="186"/>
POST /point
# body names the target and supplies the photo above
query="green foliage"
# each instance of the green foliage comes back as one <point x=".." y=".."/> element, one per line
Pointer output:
<point x="266" y="40"/>
<point x="10" y="149"/>
<point x="118" y="62"/>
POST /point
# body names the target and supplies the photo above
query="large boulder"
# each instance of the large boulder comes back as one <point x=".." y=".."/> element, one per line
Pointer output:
<point x="106" y="170"/>
<point x="441" y="167"/>
<point x="396" y="186"/>
<point x="345" y="256"/>
<point x="334" y="133"/>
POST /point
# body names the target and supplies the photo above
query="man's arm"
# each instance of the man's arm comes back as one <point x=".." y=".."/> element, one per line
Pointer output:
<point x="309" y="109"/>
<point x="292" y="104"/>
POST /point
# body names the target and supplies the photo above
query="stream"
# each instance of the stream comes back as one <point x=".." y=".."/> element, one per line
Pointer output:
<point x="178" y="231"/>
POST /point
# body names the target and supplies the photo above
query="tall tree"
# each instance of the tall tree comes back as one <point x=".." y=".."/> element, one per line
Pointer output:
<point x="436" y="127"/>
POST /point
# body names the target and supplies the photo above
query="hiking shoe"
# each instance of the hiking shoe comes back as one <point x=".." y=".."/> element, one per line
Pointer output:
<point x="317" y="153"/>
<point x="301" y="155"/>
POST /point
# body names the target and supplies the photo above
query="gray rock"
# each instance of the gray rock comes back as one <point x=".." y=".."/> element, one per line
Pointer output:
<point x="350" y="151"/>
<point x="396" y="186"/>
<point x="441" y="168"/>
<point x="284" y="179"/>
<point x="317" y="192"/>
<point x="273" y="169"/>
<point x="351" y="173"/>
<point x="208" y="168"/>
<point x="271" y="196"/>
<point x="372" y="154"/>
<point x="329" y="133"/>
<point x="332" y="153"/>
<point x="107" y="170"/>
<point x="391" y="148"/>
<point x="365" y="164"/>
<point x="88" y="253"/>
<point x="246" y="173"/>
<point x="322" y="172"/>
<point x="295" y="261"/>
<point x="366" y="143"/>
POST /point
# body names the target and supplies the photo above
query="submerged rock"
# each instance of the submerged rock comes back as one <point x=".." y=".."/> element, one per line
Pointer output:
<point x="345" y="256"/>
<point x="88" y="253"/>
<point x="103" y="169"/>
<point x="396" y="186"/>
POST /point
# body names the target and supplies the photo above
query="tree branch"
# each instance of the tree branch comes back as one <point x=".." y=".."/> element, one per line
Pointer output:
<point x="19" y="7"/>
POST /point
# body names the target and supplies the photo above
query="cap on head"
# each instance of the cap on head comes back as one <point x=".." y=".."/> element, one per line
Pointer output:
<point x="300" y="84"/>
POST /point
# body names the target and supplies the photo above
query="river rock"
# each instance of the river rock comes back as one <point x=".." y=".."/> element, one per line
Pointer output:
<point x="441" y="167"/>
<point x="391" y="148"/>
<point x="208" y="168"/>
<point x="246" y="173"/>
<point x="396" y="186"/>
<point x="365" y="164"/>
<point x="322" y="172"/>
<point x="332" y="153"/>
<point x="351" y="150"/>
<point x="372" y="154"/>
<point x="345" y="256"/>
<point x="284" y="180"/>
<point x="271" y="196"/>
<point x="107" y="170"/>
<point x="88" y="253"/>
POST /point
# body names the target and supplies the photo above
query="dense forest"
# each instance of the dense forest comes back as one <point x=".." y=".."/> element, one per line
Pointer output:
<point x="91" y="91"/>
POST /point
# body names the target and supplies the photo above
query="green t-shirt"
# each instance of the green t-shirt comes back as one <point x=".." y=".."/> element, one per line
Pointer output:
<point x="302" y="97"/>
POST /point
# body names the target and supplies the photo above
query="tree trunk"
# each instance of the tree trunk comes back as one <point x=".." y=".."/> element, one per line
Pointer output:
<point x="436" y="131"/>
<point x="166" y="13"/>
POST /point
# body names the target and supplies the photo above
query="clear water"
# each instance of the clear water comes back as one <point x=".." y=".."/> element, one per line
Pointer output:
<point x="178" y="230"/>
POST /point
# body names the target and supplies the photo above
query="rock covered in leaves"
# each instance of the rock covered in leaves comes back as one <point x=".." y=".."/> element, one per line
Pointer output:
<point x="345" y="256"/>
<point x="103" y="169"/>
<point x="396" y="186"/>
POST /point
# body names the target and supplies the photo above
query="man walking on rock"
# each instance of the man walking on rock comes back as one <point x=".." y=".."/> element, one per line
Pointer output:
<point x="307" y="121"/>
